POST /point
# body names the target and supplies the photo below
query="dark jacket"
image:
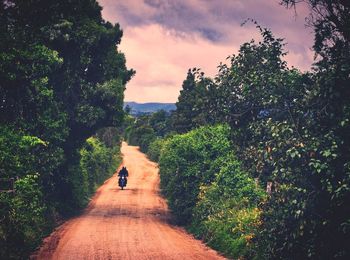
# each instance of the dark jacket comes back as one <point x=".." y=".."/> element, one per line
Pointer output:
<point x="123" y="172"/>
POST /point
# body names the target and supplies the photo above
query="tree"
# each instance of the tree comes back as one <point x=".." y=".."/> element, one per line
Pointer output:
<point x="90" y="82"/>
<point x="327" y="213"/>
<point x="62" y="79"/>
<point x="291" y="129"/>
<point x="184" y="106"/>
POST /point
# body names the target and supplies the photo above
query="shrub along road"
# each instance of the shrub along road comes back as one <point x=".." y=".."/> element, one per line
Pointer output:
<point x="125" y="224"/>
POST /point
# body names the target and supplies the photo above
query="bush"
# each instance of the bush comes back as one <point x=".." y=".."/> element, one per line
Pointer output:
<point x="154" y="149"/>
<point x="97" y="163"/>
<point x="207" y="190"/>
<point x="141" y="136"/>
<point x="188" y="161"/>
<point x="28" y="214"/>
<point x="22" y="223"/>
<point x="227" y="214"/>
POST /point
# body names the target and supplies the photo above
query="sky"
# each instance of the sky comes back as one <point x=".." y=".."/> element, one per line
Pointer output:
<point x="162" y="39"/>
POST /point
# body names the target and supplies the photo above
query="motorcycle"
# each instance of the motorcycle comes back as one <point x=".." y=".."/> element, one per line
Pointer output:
<point x="122" y="182"/>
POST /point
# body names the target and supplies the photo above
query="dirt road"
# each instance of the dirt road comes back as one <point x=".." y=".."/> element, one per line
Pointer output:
<point x="125" y="224"/>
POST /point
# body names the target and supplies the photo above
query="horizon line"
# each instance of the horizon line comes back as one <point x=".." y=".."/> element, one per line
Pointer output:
<point x="149" y="102"/>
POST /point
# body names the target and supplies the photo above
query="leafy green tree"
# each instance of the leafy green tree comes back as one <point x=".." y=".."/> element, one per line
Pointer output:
<point x="320" y="208"/>
<point x="22" y="212"/>
<point x="184" y="107"/>
<point x="283" y="135"/>
<point x="145" y="129"/>
<point x="89" y="84"/>
<point x="110" y="136"/>
<point x="291" y="129"/>
<point x="200" y="103"/>
<point x="97" y="163"/>
<point x="159" y="121"/>
<point x="62" y="79"/>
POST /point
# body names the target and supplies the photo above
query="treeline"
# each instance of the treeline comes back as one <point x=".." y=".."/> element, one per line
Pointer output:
<point x="147" y="131"/>
<point x="260" y="165"/>
<point x="61" y="98"/>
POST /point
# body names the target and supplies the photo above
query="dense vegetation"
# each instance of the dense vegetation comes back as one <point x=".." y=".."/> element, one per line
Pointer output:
<point x="259" y="166"/>
<point x="289" y="131"/>
<point x="147" y="130"/>
<point x="207" y="189"/>
<point x="61" y="90"/>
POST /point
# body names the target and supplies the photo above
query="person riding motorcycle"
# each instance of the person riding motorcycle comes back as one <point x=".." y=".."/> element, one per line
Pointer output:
<point x="123" y="173"/>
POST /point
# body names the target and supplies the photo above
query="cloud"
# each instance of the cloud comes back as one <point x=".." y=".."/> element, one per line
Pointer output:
<point x="212" y="19"/>
<point x="163" y="38"/>
<point x="162" y="59"/>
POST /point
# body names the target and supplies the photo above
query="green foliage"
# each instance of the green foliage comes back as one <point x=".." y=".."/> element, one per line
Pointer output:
<point x="196" y="105"/>
<point x="27" y="214"/>
<point x="227" y="214"/>
<point x="145" y="129"/>
<point x="155" y="149"/>
<point x="160" y="122"/>
<point x="61" y="81"/>
<point x="288" y="146"/>
<point x="22" y="222"/>
<point x="97" y="163"/>
<point x="110" y="136"/>
<point x="207" y="190"/>
<point x="292" y="129"/>
<point x="142" y="136"/>
<point x="11" y="159"/>
<point x="184" y="107"/>
<point x="149" y="132"/>
<point x="188" y="161"/>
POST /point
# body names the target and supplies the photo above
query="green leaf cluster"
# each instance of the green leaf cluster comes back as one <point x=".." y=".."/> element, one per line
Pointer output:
<point x="155" y="149"/>
<point x="189" y="161"/>
<point x="146" y="129"/>
<point x="22" y="217"/>
<point x="62" y="80"/>
<point x="207" y="190"/>
<point x="290" y="131"/>
<point x="97" y="163"/>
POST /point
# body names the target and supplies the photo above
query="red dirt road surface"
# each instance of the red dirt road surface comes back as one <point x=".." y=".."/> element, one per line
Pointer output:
<point x="125" y="224"/>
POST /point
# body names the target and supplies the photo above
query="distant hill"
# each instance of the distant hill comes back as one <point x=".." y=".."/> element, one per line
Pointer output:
<point x="148" y="108"/>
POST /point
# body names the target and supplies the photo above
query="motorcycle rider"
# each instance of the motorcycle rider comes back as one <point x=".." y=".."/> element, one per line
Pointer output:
<point x="123" y="173"/>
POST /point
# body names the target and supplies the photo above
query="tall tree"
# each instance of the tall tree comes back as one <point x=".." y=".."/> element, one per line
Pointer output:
<point x="62" y="78"/>
<point x="185" y="104"/>
<point x="89" y="83"/>
<point x="323" y="213"/>
<point x="196" y="103"/>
